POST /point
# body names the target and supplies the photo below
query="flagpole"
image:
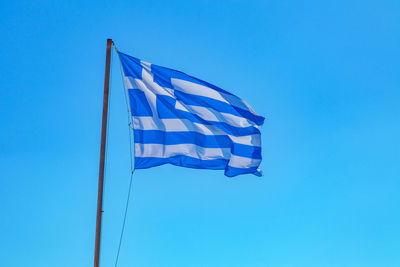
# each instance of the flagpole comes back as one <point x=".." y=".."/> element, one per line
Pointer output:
<point x="102" y="155"/>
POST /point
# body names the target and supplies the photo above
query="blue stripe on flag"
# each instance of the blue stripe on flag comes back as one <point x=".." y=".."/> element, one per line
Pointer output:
<point x="166" y="110"/>
<point x="189" y="162"/>
<point x="163" y="75"/>
<point x="207" y="141"/>
<point x="220" y="106"/>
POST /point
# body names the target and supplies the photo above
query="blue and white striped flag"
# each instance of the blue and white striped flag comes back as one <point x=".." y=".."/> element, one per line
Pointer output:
<point x="184" y="121"/>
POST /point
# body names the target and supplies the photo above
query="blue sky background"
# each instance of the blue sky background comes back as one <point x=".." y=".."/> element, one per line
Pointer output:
<point x="325" y="74"/>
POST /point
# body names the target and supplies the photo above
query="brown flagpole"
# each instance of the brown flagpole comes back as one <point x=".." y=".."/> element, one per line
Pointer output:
<point x="102" y="155"/>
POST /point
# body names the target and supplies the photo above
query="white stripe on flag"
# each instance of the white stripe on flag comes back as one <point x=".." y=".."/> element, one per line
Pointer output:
<point x="242" y="162"/>
<point x="201" y="90"/>
<point x="196" y="89"/>
<point x="194" y="151"/>
<point x="191" y="150"/>
<point x="183" y="125"/>
<point x="212" y="115"/>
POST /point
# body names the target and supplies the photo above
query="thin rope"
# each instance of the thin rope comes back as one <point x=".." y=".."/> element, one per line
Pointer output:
<point x="130" y="127"/>
<point x="123" y="223"/>
<point x="130" y="122"/>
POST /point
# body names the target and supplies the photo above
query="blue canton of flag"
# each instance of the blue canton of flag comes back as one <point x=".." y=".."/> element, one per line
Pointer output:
<point x="184" y="121"/>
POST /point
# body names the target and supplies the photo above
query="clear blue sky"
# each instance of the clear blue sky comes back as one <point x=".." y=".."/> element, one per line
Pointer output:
<point x="325" y="74"/>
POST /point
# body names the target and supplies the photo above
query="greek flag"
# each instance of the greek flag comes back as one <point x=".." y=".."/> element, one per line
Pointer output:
<point x="184" y="121"/>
